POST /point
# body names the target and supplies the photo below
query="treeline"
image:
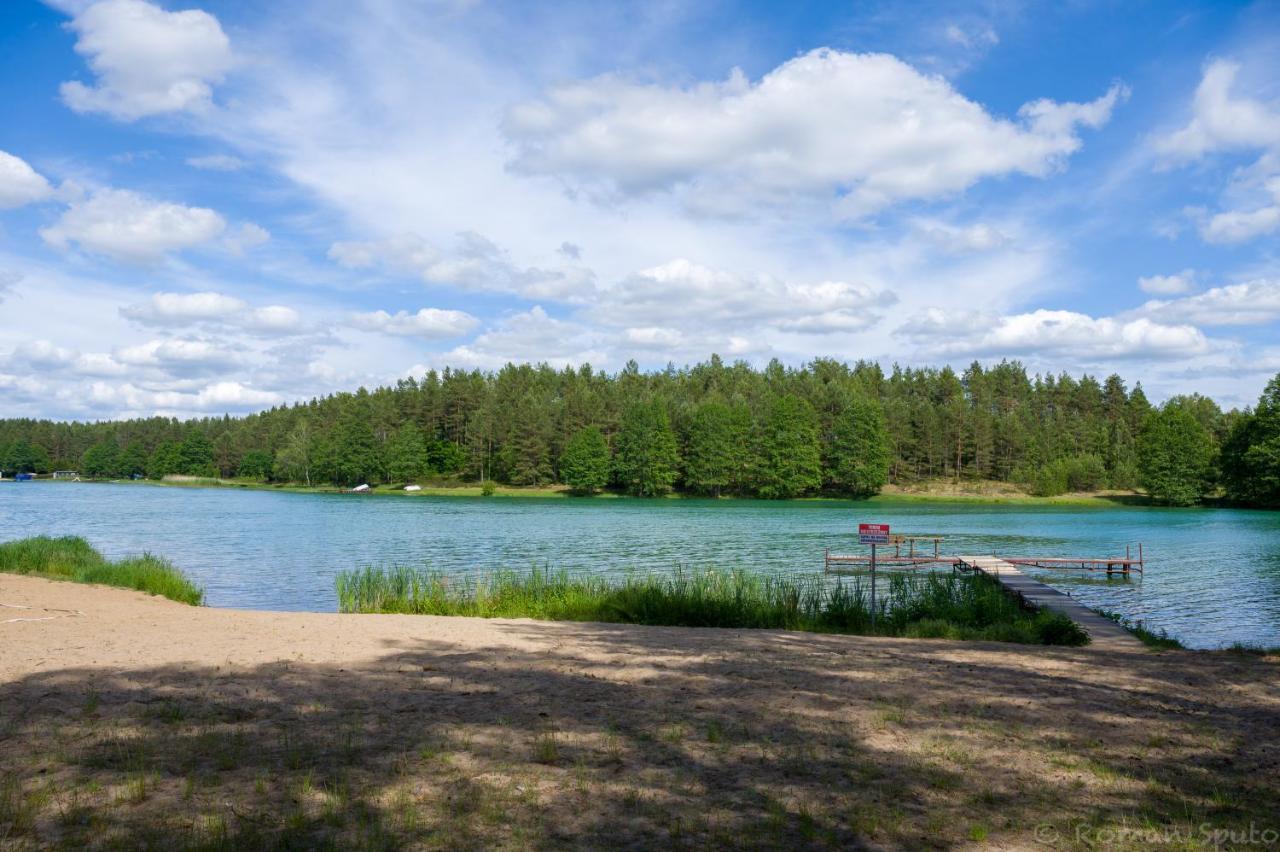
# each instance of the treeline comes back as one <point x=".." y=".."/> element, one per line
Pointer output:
<point x="712" y="429"/>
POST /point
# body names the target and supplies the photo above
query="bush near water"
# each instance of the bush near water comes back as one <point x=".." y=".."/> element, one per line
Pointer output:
<point x="73" y="558"/>
<point x="710" y="429"/>
<point x="924" y="606"/>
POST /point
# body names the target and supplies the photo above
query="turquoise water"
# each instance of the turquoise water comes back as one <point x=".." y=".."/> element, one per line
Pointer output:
<point x="1213" y="575"/>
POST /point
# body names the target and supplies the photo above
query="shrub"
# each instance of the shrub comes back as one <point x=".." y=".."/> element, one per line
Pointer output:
<point x="73" y="558"/>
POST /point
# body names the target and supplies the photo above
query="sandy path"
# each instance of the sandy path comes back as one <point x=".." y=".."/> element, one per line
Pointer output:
<point x="450" y="731"/>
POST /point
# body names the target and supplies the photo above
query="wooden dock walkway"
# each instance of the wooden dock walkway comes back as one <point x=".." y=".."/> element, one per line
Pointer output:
<point x="1104" y="633"/>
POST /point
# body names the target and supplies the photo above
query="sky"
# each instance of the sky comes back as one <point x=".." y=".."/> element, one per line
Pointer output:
<point x="221" y="207"/>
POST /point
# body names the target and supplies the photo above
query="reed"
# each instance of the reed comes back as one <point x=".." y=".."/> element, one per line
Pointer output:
<point x="73" y="558"/>
<point x="969" y="607"/>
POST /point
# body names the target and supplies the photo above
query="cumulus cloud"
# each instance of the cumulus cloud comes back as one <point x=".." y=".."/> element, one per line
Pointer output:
<point x="19" y="183"/>
<point x="534" y="336"/>
<point x="474" y="262"/>
<point x="210" y="308"/>
<point x="1048" y="332"/>
<point x="127" y="226"/>
<point x="179" y="357"/>
<point x="224" y="396"/>
<point x="146" y="61"/>
<point x="216" y="163"/>
<point x="427" y="323"/>
<point x="1168" y="285"/>
<point x="1222" y="120"/>
<point x="1254" y="302"/>
<point x="865" y="129"/>
<point x="682" y="294"/>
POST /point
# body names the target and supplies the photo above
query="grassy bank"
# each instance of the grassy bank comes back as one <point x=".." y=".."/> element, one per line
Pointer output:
<point x="928" y="606"/>
<point x="73" y="558"/>
<point x="942" y="493"/>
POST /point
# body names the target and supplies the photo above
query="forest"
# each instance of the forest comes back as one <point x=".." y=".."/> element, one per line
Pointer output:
<point x="712" y="429"/>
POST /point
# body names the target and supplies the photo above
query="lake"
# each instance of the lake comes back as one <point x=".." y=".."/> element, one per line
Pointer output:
<point x="1212" y="578"/>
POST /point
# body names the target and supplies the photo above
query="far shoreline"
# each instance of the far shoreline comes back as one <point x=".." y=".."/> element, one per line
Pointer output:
<point x="978" y="494"/>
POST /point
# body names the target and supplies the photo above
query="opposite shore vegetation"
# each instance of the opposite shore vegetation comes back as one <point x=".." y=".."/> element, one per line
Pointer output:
<point x="826" y="429"/>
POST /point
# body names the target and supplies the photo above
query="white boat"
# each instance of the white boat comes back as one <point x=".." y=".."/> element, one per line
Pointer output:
<point x="413" y="488"/>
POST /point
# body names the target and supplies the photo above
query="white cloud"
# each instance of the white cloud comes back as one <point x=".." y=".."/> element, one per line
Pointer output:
<point x="1225" y="121"/>
<point x="1168" y="285"/>
<point x="19" y="183"/>
<point x="473" y="263"/>
<point x="1237" y="226"/>
<point x="213" y="309"/>
<point x="184" y="308"/>
<point x="178" y="356"/>
<point x="1221" y="121"/>
<point x="216" y="163"/>
<point x="1046" y="332"/>
<point x="224" y="396"/>
<point x="682" y="294"/>
<point x="866" y="129"/>
<point x="247" y="236"/>
<point x="427" y="323"/>
<point x="273" y="318"/>
<point x="971" y="37"/>
<point x="1250" y="303"/>
<point x="147" y="61"/>
<point x="128" y="226"/>
<point x="958" y="239"/>
<point x="532" y="336"/>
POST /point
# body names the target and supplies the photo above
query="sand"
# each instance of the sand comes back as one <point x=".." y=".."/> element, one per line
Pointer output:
<point x="134" y="720"/>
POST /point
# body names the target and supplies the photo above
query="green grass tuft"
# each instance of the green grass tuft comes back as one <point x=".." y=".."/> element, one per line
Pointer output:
<point x="969" y="607"/>
<point x="73" y="558"/>
<point x="1151" y="638"/>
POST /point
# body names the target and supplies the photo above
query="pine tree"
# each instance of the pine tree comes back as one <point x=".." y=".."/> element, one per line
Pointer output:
<point x="406" y="454"/>
<point x="787" y="456"/>
<point x="196" y="454"/>
<point x="355" y="456"/>
<point x="584" y="465"/>
<point x="165" y="459"/>
<point x="858" y="462"/>
<point x="646" y="457"/>
<point x="714" y="456"/>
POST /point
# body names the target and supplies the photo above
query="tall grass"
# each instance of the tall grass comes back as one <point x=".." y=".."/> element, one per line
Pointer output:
<point x="73" y="558"/>
<point x="932" y="606"/>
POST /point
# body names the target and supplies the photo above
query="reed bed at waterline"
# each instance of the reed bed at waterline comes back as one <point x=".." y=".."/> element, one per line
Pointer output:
<point x="967" y="607"/>
<point x="73" y="558"/>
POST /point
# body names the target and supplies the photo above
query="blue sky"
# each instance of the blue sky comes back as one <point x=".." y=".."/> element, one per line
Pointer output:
<point x="220" y="207"/>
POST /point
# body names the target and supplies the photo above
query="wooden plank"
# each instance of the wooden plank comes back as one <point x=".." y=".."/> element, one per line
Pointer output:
<point x="1104" y="633"/>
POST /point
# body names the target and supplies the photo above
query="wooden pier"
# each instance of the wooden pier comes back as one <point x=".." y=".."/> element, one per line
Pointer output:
<point x="1104" y="633"/>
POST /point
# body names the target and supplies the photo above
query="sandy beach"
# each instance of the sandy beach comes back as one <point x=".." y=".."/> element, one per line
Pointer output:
<point x="135" y="720"/>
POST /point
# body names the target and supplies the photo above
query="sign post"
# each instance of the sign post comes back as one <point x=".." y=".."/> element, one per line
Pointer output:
<point x="873" y="534"/>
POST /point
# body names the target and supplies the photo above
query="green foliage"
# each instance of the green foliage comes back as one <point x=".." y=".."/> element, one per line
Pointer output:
<point x="73" y="558"/>
<point x="1251" y="452"/>
<point x="859" y="452"/>
<point x="1175" y="456"/>
<point x="102" y="460"/>
<point x="196" y="455"/>
<point x="353" y="456"/>
<point x="716" y="457"/>
<point x="787" y="457"/>
<point x="488" y="488"/>
<point x="934" y="605"/>
<point x="406" y="454"/>
<point x="165" y="459"/>
<point x="584" y="466"/>
<point x="296" y="458"/>
<point x="256" y="464"/>
<point x="725" y="433"/>
<point x="1076" y="473"/>
<point x="21" y="457"/>
<point x="646" y="458"/>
